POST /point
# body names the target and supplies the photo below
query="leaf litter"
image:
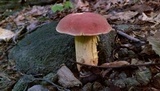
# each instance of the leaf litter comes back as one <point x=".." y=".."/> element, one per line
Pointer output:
<point x="143" y="13"/>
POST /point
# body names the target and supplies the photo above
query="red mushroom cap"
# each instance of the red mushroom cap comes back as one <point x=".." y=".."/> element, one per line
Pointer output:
<point x="87" y="24"/>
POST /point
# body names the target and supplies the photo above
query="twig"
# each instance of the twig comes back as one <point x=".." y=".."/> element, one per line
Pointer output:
<point x="60" y="88"/>
<point x="55" y="85"/>
<point x="124" y="66"/>
<point x="129" y="37"/>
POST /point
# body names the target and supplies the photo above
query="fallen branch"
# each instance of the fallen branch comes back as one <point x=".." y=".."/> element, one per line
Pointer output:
<point x="55" y="85"/>
<point x="108" y="67"/>
<point x="129" y="37"/>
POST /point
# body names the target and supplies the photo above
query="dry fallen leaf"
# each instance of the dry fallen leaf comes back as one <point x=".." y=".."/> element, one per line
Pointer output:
<point x="144" y="17"/>
<point x="123" y="15"/>
<point x="6" y="34"/>
<point x="141" y="8"/>
<point x="29" y="15"/>
<point x="37" y="11"/>
<point x="117" y="1"/>
<point x="79" y="4"/>
<point x="155" y="42"/>
<point x="115" y="64"/>
<point x="20" y="20"/>
<point x="154" y="18"/>
<point x="101" y="3"/>
<point x="157" y="18"/>
<point x="107" y="4"/>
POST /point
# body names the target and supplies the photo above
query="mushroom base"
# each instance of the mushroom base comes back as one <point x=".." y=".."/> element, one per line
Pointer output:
<point x="86" y="50"/>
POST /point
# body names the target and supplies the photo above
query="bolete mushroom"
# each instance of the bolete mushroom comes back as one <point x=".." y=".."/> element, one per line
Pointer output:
<point x="85" y="27"/>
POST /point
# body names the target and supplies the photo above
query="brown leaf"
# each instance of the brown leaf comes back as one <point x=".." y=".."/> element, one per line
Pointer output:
<point x="115" y="64"/>
<point x="37" y="11"/>
<point x="144" y="17"/>
<point x="141" y="8"/>
<point x="79" y="4"/>
<point x="123" y="15"/>
<point x="154" y="18"/>
<point x="147" y="50"/>
<point x="154" y="41"/>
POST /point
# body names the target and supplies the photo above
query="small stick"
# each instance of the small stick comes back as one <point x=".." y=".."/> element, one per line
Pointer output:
<point x="55" y="85"/>
<point x="129" y="37"/>
<point x="107" y="67"/>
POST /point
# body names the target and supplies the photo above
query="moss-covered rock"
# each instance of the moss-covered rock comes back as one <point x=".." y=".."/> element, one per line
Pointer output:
<point x="44" y="50"/>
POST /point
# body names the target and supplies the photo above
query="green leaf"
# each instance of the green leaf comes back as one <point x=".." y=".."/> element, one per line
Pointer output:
<point x="57" y="7"/>
<point x="68" y="5"/>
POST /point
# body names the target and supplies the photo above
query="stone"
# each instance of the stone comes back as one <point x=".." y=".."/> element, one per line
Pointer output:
<point x="66" y="78"/>
<point x="44" y="50"/>
<point x="37" y="88"/>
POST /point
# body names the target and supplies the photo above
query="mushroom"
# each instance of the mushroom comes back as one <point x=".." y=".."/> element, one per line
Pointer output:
<point x="85" y="27"/>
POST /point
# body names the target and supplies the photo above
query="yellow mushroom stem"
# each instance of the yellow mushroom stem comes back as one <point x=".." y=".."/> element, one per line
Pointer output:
<point x="86" y="50"/>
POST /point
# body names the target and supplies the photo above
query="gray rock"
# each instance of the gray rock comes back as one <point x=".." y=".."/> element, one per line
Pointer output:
<point x="66" y="78"/>
<point x="44" y="50"/>
<point x="37" y="88"/>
